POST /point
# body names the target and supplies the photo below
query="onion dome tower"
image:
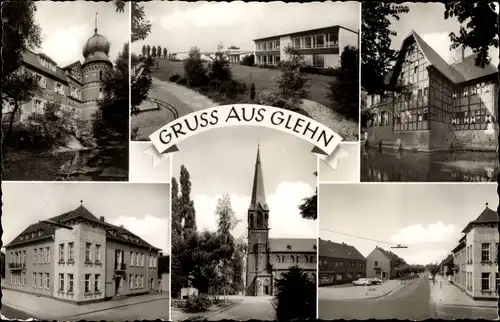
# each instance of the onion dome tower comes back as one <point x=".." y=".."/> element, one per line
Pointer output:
<point x="95" y="51"/>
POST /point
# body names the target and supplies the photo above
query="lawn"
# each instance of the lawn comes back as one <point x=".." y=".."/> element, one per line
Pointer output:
<point x="261" y="77"/>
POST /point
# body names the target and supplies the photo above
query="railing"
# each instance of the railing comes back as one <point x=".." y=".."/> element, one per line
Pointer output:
<point x="17" y="265"/>
<point x="120" y="266"/>
<point x="164" y="104"/>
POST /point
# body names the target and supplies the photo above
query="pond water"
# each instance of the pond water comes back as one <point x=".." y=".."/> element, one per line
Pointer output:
<point x="103" y="164"/>
<point x="401" y="166"/>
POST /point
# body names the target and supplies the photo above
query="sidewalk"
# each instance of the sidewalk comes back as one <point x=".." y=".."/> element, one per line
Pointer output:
<point x="349" y="292"/>
<point x="50" y="309"/>
<point x="445" y="293"/>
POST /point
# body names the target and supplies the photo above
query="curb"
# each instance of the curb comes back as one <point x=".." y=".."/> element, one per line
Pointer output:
<point x="114" y="307"/>
<point x="464" y="305"/>
<point x="219" y="311"/>
<point x="379" y="296"/>
<point x="274" y="305"/>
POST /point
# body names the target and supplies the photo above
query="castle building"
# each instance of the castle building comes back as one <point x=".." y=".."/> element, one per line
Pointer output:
<point x="435" y="106"/>
<point x="79" y="258"/>
<point x="268" y="258"/>
<point x="77" y="87"/>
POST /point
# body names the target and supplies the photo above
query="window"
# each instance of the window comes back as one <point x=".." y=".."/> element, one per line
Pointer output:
<point x="34" y="280"/>
<point x="296" y="43"/>
<point x="331" y="40"/>
<point x="485" y="252"/>
<point x="87" y="283"/>
<point x="485" y="281"/>
<point x="61" y="253"/>
<point x="132" y="258"/>
<point x="71" y="250"/>
<point x="47" y="255"/>
<point x="40" y="280"/>
<point x="87" y="251"/>
<point x="131" y="281"/>
<point x="100" y="75"/>
<point x="23" y="277"/>
<point x="100" y="93"/>
<point x="154" y="261"/>
<point x="59" y="88"/>
<point x="47" y="280"/>
<point x="141" y="285"/>
<point x="142" y="260"/>
<point x="497" y="281"/>
<point x="320" y="41"/>
<point x="40" y="256"/>
<point x="70" y="283"/>
<point x="376" y="264"/>
<point x="96" y="283"/>
<point x="98" y="253"/>
<point x="41" y="80"/>
<point x="308" y="42"/>
<point x="136" y="281"/>
<point x="319" y="60"/>
<point x="137" y="260"/>
<point x="35" y="256"/>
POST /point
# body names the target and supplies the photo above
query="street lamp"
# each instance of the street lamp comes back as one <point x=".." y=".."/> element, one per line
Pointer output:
<point x="399" y="246"/>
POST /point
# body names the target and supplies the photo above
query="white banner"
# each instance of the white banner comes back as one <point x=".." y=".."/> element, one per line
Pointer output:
<point x="326" y="142"/>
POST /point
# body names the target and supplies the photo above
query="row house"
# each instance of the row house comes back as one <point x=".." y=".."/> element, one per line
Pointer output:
<point x="339" y="263"/>
<point x="79" y="258"/>
<point x="383" y="264"/>
<point x="475" y="258"/>
<point x="431" y="105"/>
<point x="320" y="47"/>
<point x="77" y="87"/>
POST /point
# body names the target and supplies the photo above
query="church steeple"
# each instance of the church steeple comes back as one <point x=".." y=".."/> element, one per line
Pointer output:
<point x="258" y="192"/>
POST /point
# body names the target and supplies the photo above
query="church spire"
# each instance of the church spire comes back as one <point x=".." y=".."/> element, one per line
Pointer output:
<point x="258" y="193"/>
<point x="95" y="30"/>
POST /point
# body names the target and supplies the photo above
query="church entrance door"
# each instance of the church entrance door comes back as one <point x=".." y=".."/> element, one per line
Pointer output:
<point x="266" y="287"/>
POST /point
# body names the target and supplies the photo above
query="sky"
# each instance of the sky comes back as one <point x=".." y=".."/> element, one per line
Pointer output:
<point x="178" y="26"/>
<point x="142" y="168"/>
<point x="141" y="208"/>
<point x="66" y="26"/>
<point x="428" y="218"/>
<point x="434" y="30"/>
<point x="222" y="161"/>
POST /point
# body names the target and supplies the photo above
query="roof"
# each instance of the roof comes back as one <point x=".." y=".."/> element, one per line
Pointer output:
<point x="390" y="255"/>
<point x="293" y="245"/>
<point x="488" y="216"/>
<point x="330" y="249"/>
<point x="258" y="192"/>
<point x="459" y="72"/>
<point x="31" y="58"/>
<point x="305" y="31"/>
<point x="70" y="66"/>
<point x="448" y="260"/>
<point x="461" y="245"/>
<point x="44" y="229"/>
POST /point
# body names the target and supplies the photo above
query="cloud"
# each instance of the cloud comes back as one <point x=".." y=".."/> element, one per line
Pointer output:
<point x="152" y="229"/>
<point x="284" y="216"/>
<point x="65" y="45"/>
<point x="423" y="234"/>
<point x="425" y="256"/>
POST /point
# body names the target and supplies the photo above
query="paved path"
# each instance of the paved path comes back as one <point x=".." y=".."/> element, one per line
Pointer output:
<point x="182" y="98"/>
<point x="251" y="307"/>
<point x="412" y="301"/>
<point x="445" y="293"/>
<point x="137" y="312"/>
<point x="350" y="292"/>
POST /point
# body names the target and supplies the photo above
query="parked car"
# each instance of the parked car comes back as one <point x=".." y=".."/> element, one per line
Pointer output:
<point x="431" y="277"/>
<point x="362" y="282"/>
<point x="376" y="281"/>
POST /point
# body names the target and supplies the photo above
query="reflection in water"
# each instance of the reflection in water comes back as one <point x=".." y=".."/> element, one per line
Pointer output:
<point x="401" y="165"/>
<point x="104" y="164"/>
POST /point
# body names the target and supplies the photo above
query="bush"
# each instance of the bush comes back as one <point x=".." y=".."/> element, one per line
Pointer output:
<point x="292" y="83"/>
<point x="330" y="71"/>
<point x="193" y="67"/>
<point x="174" y="78"/>
<point x="199" y="303"/>
<point x="219" y="70"/>
<point x="248" y="60"/>
<point x="296" y="296"/>
<point x="274" y="99"/>
<point x="252" y="91"/>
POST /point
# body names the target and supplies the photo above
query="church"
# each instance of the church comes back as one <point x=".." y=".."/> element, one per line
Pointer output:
<point x="77" y="86"/>
<point x="268" y="258"/>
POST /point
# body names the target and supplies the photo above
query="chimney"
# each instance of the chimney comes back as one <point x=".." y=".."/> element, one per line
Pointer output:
<point x="343" y="244"/>
<point x="101" y="218"/>
<point x="458" y="54"/>
<point x="121" y="226"/>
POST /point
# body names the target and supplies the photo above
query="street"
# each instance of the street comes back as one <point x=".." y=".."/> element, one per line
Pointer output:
<point x="250" y="308"/>
<point x="14" y="314"/>
<point x="412" y="301"/>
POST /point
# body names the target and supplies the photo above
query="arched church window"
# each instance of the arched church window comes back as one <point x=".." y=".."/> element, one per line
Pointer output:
<point x="278" y="258"/>
<point x="250" y="220"/>
<point x="256" y="248"/>
<point x="292" y="258"/>
<point x="259" y="220"/>
<point x="307" y="259"/>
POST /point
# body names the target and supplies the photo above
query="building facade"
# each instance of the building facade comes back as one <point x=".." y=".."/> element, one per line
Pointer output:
<point x="267" y="259"/>
<point x="382" y="264"/>
<point x="339" y="263"/>
<point x="77" y="87"/>
<point x="476" y="257"/>
<point x="321" y="47"/>
<point x="435" y="105"/>
<point x="79" y="258"/>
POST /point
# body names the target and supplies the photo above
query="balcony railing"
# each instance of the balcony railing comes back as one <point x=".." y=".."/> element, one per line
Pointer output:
<point x="120" y="266"/>
<point x="17" y="265"/>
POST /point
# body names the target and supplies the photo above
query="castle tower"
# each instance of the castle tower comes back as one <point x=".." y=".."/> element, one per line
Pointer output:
<point x="258" y="277"/>
<point x="95" y="51"/>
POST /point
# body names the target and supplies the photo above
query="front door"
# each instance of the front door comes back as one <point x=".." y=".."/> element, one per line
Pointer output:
<point x="384" y="275"/>
<point x="117" y="285"/>
<point x="151" y="280"/>
<point x="266" y="289"/>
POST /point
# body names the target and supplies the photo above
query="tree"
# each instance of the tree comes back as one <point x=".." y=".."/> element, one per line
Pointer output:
<point x="344" y="92"/>
<point x="193" y="68"/>
<point x="164" y="52"/>
<point x="159" y="52"/>
<point x="148" y="50"/>
<point x="238" y="265"/>
<point x="296" y="296"/>
<point x="309" y="207"/>
<point x="144" y="50"/>
<point x="187" y="205"/>
<point x="219" y="70"/>
<point x="481" y="27"/>
<point x="178" y="276"/>
<point x="153" y="51"/>
<point x="141" y="27"/>
<point x="20" y="33"/>
<point x="377" y="56"/>
<point x="248" y="60"/>
<point x="292" y="83"/>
